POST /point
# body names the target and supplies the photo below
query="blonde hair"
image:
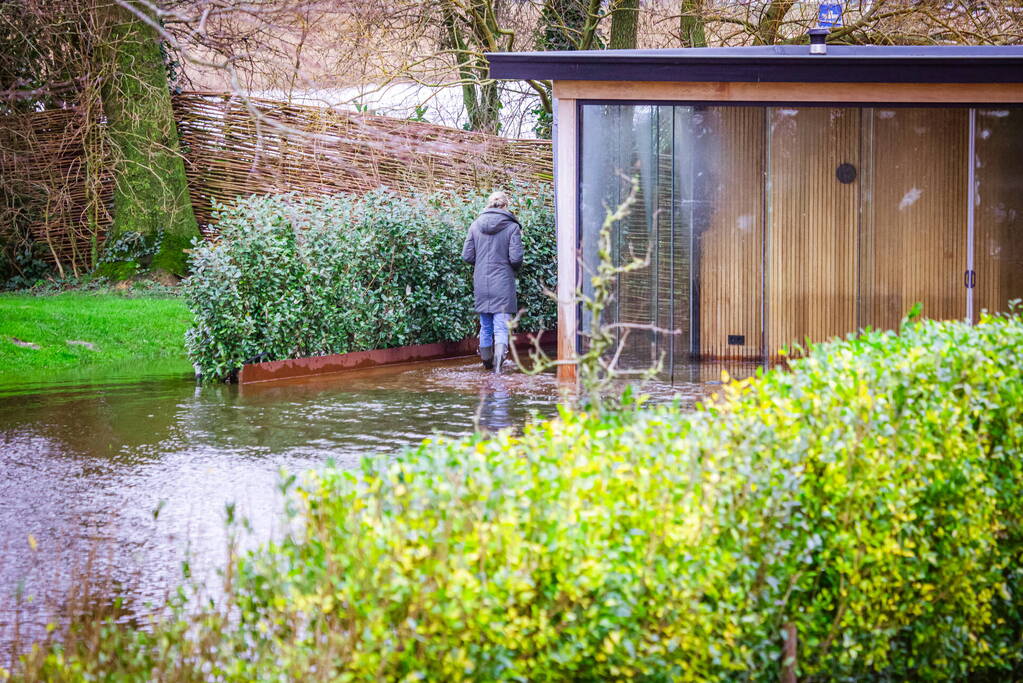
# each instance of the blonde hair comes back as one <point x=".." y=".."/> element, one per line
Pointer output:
<point x="498" y="200"/>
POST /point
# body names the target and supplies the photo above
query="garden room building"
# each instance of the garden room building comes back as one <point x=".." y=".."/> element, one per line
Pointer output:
<point x="784" y="196"/>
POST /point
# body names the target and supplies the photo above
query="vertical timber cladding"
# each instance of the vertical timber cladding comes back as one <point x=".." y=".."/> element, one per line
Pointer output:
<point x="998" y="221"/>
<point x="913" y="243"/>
<point x="813" y="221"/>
<point x="731" y="237"/>
<point x="566" y="207"/>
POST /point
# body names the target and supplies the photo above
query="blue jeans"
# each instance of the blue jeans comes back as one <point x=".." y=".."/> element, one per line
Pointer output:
<point x="494" y="328"/>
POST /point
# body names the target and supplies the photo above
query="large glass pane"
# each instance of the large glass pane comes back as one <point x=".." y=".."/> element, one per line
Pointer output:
<point x="913" y="241"/>
<point x="998" y="218"/>
<point x="620" y="142"/>
<point x="813" y="220"/>
<point x="602" y="162"/>
<point x="698" y="220"/>
<point x="725" y="205"/>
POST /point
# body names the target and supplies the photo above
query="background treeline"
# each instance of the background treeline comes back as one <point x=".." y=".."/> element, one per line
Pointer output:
<point x="116" y="63"/>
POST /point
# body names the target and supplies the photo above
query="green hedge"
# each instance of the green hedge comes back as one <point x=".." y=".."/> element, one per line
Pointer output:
<point x="296" y="276"/>
<point x="871" y="497"/>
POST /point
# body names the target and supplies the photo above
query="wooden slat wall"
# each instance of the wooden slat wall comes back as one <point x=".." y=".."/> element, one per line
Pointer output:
<point x="731" y="238"/>
<point x="998" y="221"/>
<point x="811" y="243"/>
<point x="913" y="245"/>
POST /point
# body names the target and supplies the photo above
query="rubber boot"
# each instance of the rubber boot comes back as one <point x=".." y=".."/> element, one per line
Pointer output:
<point x="499" y="358"/>
<point x="487" y="354"/>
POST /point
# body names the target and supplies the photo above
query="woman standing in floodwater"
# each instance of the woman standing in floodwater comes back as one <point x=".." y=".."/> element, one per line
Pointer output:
<point x="494" y="247"/>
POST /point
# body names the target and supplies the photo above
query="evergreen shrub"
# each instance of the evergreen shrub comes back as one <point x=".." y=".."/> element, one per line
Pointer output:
<point x="293" y="276"/>
<point x="871" y="497"/>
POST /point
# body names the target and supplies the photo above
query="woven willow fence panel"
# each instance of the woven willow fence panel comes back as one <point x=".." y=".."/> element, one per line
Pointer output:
<point x="45" y="192"/>
<point x="234" y="148"/>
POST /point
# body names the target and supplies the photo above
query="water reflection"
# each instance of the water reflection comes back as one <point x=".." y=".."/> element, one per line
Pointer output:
<point x="494" y="410"/>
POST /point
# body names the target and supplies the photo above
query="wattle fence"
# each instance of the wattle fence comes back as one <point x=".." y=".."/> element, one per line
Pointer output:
<point x="234" y="146"/>
<point x="48" y="193"/>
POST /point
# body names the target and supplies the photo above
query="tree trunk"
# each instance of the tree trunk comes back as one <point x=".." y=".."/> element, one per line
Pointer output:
<point x="564" y="25"/>
<point x="482" y="99"/>
<point x="769" y="30"/>
<point x="487" y="118"/>
<point x="624" y="23"/>
<point x="151" y="190"/>
<point x="690" y="24"/>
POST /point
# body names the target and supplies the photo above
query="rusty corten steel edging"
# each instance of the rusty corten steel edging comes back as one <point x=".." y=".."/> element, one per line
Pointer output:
<point x="357" y="360"/>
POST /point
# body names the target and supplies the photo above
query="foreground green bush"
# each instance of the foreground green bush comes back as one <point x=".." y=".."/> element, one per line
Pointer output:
<point x="304" y="276"/>
<point x="871" y="498"/>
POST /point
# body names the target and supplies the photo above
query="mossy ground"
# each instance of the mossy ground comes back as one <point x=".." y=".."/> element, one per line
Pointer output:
<point x="117" y="327"/>
<point x="117" y="271"/>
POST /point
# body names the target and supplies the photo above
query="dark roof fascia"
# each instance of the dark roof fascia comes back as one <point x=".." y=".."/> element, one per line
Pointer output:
<point x="842" y="64"/>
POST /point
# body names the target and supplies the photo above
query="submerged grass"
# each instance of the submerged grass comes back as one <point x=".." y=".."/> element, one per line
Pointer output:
<point x="68" y="330"/>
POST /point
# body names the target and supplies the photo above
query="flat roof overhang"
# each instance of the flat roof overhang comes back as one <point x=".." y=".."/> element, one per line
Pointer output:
<point x="770" y="64"/>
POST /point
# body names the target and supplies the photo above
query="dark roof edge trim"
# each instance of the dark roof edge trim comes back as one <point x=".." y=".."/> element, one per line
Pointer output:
<point x="845" y="67"/>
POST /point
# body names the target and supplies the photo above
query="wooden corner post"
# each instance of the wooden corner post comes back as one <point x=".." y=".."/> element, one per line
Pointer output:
<point x="566" y="193"/>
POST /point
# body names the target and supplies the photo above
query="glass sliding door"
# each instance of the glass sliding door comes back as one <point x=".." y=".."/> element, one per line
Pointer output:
<point x="727" y="214"/>
<point x="914" y="214"/>
<point x="813" y="216"/>
<point x="998" y="209"/>
<point x="621" y="143"/>
<point x="763" y="226"/>
<point x="698" y="227"/>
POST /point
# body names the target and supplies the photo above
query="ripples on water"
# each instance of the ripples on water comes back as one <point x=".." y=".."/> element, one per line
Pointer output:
<point x="86" y="461"/>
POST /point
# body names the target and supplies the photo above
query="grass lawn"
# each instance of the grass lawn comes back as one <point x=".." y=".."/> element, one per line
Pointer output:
<point x="114" y="327"/>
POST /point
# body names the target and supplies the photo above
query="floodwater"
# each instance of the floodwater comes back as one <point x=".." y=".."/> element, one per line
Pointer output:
<point x="125" y="473"/>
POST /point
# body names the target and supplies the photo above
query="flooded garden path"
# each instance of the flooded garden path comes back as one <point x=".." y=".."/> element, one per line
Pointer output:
<point x="126" y="473"/>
